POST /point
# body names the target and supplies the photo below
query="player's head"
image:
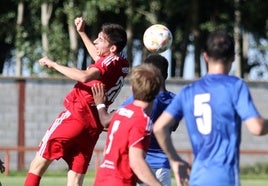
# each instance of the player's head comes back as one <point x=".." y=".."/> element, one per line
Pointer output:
<point x="116" y="35"/>
<point x="145" y="81"/>
<point x="220" y="46"/>
<point x="159" y="62"/>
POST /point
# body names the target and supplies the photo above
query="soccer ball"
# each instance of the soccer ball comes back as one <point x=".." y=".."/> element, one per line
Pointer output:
<point x="157" y="38"/>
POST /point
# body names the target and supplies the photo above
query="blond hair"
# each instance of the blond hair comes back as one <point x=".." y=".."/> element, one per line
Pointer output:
<point x="145" y="81"/>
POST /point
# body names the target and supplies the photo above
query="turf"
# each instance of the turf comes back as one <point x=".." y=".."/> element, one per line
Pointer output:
<point x="61" y="181"/>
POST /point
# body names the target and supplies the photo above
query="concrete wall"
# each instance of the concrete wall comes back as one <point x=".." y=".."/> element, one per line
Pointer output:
<point x="43" y="102"/>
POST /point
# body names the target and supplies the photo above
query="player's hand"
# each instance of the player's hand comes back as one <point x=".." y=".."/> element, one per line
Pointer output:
<point x="80" y="24"/>
<point x="2" y="167"/>
<point x="45" y="61"/>
<point x="98" y="93"/>
<point x="181" y="171"/>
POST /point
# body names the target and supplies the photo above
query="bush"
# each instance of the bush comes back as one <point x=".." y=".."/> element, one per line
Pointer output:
<point x="259" y="170"/>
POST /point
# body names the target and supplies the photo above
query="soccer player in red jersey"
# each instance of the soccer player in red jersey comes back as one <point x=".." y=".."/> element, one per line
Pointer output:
<point x="73" y="135"/>
<point x="155" y="157"/>
<point x="129" y="132"/>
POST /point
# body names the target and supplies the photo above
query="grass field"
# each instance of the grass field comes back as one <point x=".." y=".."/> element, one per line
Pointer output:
<point x="54" y="180"/>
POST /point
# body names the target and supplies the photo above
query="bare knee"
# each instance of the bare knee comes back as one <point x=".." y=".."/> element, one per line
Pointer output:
<point x="75" y="179"/>
<point x="39" y="165"/>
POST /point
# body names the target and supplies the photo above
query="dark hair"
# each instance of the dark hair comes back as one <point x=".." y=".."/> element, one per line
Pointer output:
<point x="220" y="45"/>
<point x="116" y="35"/>
<point x="159" y="62"/>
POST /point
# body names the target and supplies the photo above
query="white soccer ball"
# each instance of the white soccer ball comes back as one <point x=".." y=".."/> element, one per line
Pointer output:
<point x="157" y="38"/>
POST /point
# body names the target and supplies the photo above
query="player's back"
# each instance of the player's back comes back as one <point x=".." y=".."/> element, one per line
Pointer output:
<point x="155" y="156"/>
<point x="129" y="127"/>
<point x="213" y="108"/>
<point x="211" y="116"/>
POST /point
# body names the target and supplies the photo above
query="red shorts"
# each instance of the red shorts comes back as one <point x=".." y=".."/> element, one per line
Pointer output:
<point x="71" y="139"/>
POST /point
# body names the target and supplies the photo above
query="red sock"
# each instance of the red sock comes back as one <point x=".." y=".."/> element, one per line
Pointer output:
<point x="32" y="180"/>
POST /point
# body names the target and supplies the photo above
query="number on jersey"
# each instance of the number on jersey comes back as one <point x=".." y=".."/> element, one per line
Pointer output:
<point x="202" y="113"/>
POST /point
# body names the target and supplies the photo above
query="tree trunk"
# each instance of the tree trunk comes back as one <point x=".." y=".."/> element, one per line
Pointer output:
<point x="46" y="10"/>
<point x="129" y="30"/>
<point x="245" y="46"/>
<point x="72" y="33"/>
<point x="18" y="52"/>
<point x="183" y="48"/>
<point x="195" y="31"/>
<point x="238" y="40"/>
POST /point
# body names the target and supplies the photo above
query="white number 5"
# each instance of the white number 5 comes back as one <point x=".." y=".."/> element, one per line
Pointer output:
<point x="202" y="113"/>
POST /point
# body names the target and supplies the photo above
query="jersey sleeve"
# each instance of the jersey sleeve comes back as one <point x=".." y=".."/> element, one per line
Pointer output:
<point x="99" y="64"/>
<point x="243" y="102"/>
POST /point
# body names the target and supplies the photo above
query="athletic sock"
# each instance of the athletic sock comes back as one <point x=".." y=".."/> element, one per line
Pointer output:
<point x="32" y="180"/>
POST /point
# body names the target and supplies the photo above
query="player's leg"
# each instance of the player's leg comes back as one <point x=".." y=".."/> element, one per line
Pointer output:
<point x="78" y="158"/>
<point x="75" y="179"/>
<point x="39" y="165"/>
<point x="37" y="168"/>
<point x="50" y="148"/>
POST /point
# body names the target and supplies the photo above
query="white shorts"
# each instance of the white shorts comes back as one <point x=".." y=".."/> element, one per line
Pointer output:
<point x="163" y="175"/>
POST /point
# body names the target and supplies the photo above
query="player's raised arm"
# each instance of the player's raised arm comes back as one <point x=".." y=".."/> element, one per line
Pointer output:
<point x="80" y="27"/>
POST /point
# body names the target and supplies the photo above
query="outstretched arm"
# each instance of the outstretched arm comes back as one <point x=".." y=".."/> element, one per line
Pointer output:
<point x="80" y="27"/>
<point x="161" y="131"/>
<point x="99" y="99"/>
<point x="73" y="73"/>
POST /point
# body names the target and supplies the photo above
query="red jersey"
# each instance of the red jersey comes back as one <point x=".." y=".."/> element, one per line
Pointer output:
<point x="113" y="70"/>
<point x="129" y="127"/>
<point x="73" y="135"/>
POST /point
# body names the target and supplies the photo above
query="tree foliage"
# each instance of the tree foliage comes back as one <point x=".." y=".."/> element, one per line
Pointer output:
<point x="189" y="21"/>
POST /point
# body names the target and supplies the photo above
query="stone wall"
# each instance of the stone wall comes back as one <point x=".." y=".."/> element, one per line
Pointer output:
<point x="43" y="102"/>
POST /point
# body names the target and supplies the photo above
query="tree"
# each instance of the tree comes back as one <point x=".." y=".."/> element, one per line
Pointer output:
<point x="69" y="10"/>
<point x="7" y="20"/>
<point x="254" y="21"/>
<point x="238" y="38"/>
<point x="46" y="11"/>
<point x="189" y="22"/>
<point x="19" y="37"/>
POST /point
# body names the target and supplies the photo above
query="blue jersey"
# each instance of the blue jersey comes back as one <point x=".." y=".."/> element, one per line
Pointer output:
<point x="155" y="156"/>
<point x="213" y="108"/>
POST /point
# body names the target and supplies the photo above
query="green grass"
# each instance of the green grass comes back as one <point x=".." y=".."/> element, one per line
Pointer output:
<point x="59" y="179"/>
<point x="51" y="178"/>
<point x="46" y="181"/>
<point x="256" y="175"/>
